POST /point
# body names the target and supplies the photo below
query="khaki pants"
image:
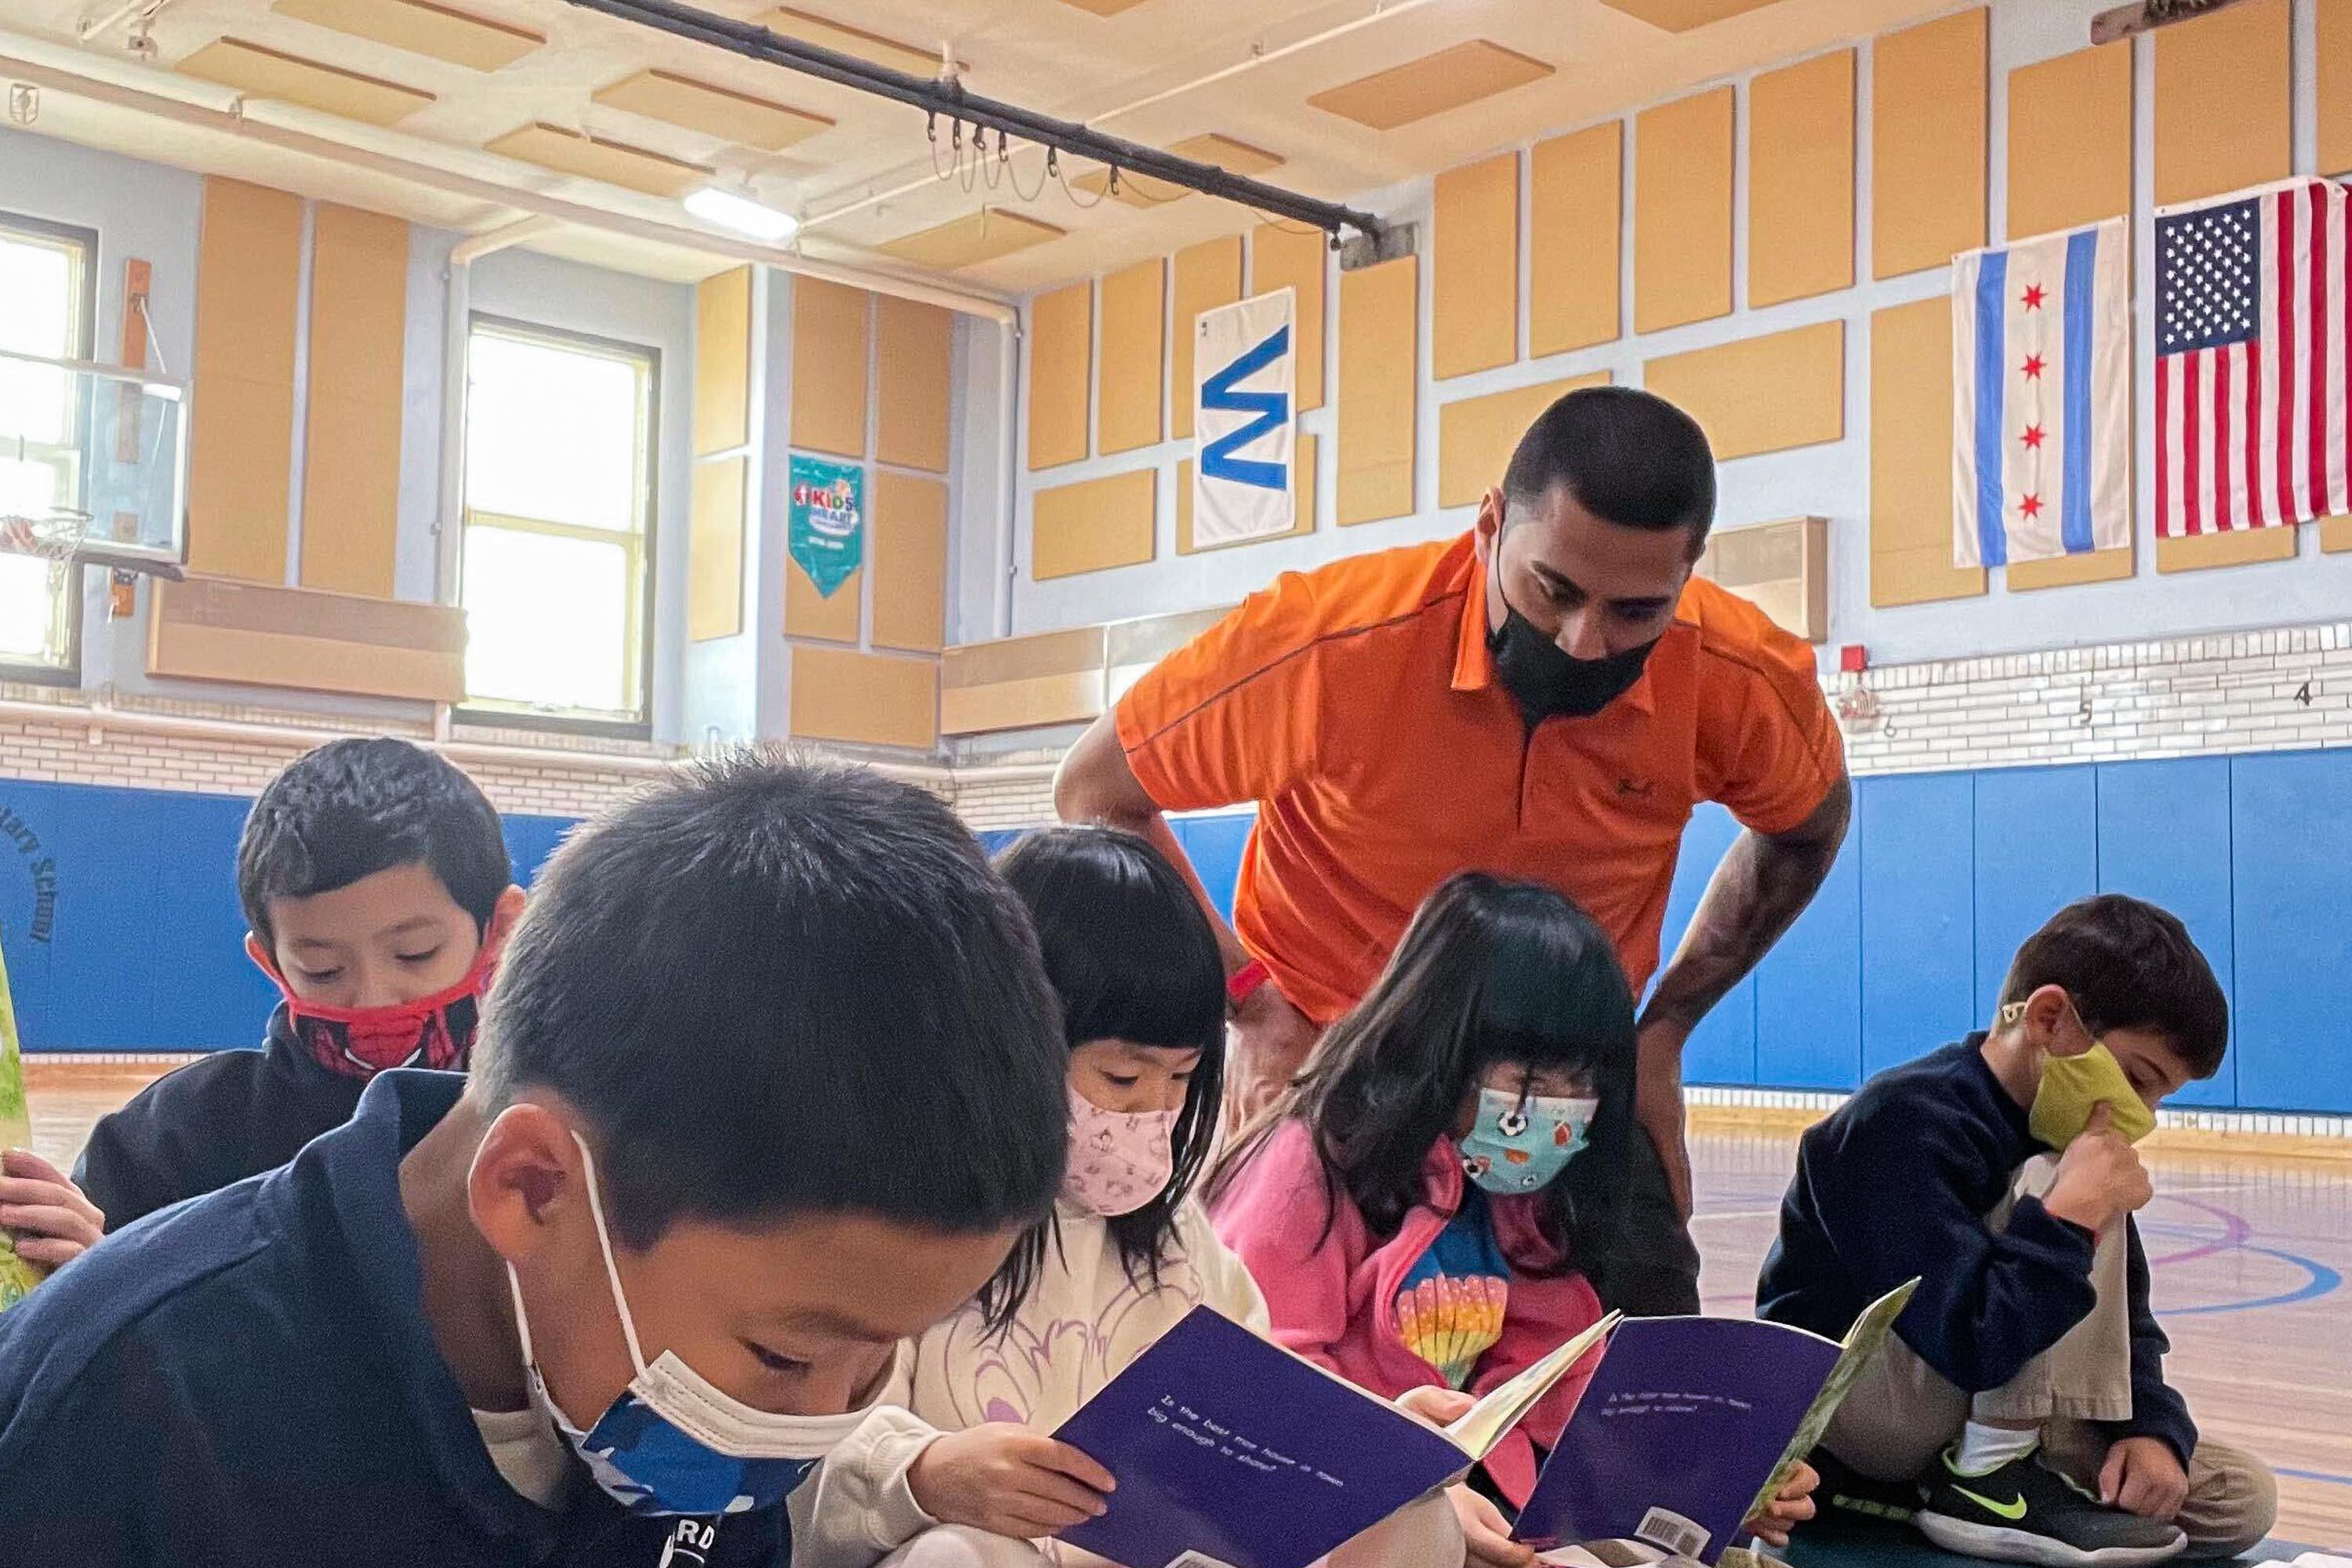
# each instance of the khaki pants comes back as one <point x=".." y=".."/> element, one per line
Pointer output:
<point x="1902" y="1413"/>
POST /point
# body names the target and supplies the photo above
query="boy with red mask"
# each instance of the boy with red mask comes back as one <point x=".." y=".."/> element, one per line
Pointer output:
<point x="378" y="891"/>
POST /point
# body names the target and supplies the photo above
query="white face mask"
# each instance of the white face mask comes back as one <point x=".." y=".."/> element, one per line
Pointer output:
<point x="671" y="1443"/>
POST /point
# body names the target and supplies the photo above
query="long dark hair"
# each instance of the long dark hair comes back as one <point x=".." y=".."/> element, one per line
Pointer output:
<point x="1490" y="973"/>
<point x="1132" y="958"/>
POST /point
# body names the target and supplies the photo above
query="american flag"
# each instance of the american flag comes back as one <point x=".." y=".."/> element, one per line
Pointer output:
<point x="2251" y="336"/>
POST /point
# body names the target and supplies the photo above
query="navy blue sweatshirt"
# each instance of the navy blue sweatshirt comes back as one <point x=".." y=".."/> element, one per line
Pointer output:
<point x="1897" y="1184"/>
<point x="248" y="1379"/>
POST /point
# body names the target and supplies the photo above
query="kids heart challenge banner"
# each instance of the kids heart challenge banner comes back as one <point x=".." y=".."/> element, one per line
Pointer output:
<point x="827" y="538"/>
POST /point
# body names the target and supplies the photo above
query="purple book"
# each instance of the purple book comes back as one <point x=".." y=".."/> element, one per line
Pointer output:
<point x="1230" y="1452"/>
<point x="1684" y="1431"/>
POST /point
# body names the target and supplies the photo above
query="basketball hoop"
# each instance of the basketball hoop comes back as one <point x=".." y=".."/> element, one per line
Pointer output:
<point x="56" y="536"/>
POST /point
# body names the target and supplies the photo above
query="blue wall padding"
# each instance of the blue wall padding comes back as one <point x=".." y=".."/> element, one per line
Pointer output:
<point x="1906" y="948"/>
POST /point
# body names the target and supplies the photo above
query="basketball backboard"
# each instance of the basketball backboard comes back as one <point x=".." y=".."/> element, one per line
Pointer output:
<point x="78" y="438"/>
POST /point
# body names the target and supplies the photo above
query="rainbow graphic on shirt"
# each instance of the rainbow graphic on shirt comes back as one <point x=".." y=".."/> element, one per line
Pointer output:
<point x="1450" y="1321"/>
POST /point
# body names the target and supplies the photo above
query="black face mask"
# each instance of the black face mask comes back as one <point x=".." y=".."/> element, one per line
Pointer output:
<point x="1548" y="682"/>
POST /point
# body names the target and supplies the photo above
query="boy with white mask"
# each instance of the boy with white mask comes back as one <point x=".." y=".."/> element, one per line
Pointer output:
<point x="2021" y="1411"/>
<point x="770" y="1080"/>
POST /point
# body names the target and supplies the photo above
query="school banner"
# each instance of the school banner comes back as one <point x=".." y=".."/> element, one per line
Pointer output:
<point x="828" y="520"/>
<point x="1242" y="420"/>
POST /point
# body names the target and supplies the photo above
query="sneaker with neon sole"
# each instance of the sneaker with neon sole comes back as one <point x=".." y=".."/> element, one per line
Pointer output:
<point x="2026" y="1511"/>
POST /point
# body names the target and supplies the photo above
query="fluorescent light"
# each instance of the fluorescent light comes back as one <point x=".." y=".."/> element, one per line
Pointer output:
<point x="740" y="212"/>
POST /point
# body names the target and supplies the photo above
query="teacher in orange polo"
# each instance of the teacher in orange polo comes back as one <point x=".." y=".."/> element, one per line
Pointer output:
<point x="1547" y="697"/>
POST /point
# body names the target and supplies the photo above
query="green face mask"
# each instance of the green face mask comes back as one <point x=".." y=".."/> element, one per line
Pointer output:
<point x="2073" y="1086"/>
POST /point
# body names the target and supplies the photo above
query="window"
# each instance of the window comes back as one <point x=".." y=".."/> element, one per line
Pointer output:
<point x="559" y="502"/>
<point x="46" y="277"/>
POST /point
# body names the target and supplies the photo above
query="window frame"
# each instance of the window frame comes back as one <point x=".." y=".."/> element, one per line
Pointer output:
<point x="85" y="240"/>
<point x="639" y="651"/>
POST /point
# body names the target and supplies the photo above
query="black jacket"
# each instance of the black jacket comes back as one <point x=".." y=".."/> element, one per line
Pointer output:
<point x="196" y="1130"/>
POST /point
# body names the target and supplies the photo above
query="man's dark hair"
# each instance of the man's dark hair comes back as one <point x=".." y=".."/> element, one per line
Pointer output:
<point x="774" y="988"/>
<point x="1628" y="457"/>
<point x="2128" y="965"/>
<point x="354" y="807"/>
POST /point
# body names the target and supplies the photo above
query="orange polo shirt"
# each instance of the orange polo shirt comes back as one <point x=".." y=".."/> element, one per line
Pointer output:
<point x="1356" y="705"/>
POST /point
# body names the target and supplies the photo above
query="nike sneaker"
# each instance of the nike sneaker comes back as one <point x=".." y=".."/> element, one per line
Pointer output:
<point x="2026" y="1511"/>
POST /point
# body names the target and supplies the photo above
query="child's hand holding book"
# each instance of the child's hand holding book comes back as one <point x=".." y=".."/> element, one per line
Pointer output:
<point x="1006" y="1480"/>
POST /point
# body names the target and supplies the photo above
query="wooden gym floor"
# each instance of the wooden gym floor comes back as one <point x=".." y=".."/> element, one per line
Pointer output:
<point x="2250" y="1250"/>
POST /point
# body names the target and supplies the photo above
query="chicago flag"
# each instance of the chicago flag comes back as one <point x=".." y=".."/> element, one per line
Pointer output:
<point x="2041" y="402"/>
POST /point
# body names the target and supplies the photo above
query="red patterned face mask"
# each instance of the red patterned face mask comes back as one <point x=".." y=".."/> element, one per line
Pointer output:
<point x="435" y="1031"/>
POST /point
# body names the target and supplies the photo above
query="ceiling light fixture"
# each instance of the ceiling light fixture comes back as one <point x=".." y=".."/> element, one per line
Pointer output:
<point x="733" y="210"/>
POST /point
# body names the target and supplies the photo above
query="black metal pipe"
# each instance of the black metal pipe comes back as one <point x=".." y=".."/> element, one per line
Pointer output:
<point x="949" y="98"/>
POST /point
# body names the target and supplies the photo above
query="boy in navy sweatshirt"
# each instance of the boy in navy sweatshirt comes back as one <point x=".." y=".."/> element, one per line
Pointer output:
<point x="770" y="1080"/>
<point x="2024" y="1391"/>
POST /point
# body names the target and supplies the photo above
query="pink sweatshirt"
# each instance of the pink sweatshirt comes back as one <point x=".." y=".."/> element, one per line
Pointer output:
<point x="1333" y="1300"/>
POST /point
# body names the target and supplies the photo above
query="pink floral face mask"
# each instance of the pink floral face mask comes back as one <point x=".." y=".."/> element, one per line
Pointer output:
<point x="1120" y="1160"/>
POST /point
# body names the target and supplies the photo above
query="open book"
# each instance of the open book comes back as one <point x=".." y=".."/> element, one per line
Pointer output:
<point x="1689" y="1427"/>
<point x="17" y="1276"/>
<point x="1230" y="1452"/>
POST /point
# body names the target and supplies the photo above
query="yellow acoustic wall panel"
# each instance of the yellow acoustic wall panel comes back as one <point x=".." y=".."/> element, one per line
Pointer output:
<point x="2071" y="571"/>
<point x="1380" y="371"/>
<point x="2335" y="48"/>
<point x="1282" y="256"/>
<point x="1476" y="435"/>
<point x="722" y="361"/>
<point x="1575" y="210"/>
<point x="910" y="561"/>
<point x="1801" y="181"/>
<point x="351" y="465"/>
<point x="2224" y="102"/>
<point x="2070" y="140"/>
<point x="714" y="548"/>
<point x="2210" y="550"/>
<point x="1432" y="84"/>
<point x="829" y="340"/>
<point x="2336" y="534"/>
<point x="1095" y="526"/>
<point x="1130" y="370"/>
<point x="864" y="699"/>
<point x="422" y="27"/>
<point x="1682" y="211"/>
<point x="265" y="73"/>
<point x="1927" y="151"/>
<point x="241" y="439"/>
<point x="1061" y="347"/>
<point x="1207" y="275"/>
<point x="712" y="110"/>
<point x="1911" y="458"/>
<point x="1302" y="490"/>
<point x="1475" y="284"/>
<point x="1760" y="394"/>
<point x="914" y="349"/>
<point x="832" y="618"/>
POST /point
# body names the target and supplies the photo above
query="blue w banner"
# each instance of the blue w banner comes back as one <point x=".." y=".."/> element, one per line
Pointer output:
<point x="1242" y="419"/>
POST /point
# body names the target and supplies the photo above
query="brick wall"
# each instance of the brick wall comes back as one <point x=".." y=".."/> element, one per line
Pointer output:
<point x="2258" y="692"/>
<point x="2264" y="691"/>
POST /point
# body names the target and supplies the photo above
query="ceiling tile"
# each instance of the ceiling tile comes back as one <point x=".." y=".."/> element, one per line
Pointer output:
<point x="975" y="238"/>
<point x="713" y="111"/>
<point x="1432" y="85"/>
<point x="265" y="73"/>
<point x="458" y="36"/>
<point x="1141" y="190"/>
<point x="1683" y="16"/>
<point x="592" y="157"/>
<point x="809" y="27"/>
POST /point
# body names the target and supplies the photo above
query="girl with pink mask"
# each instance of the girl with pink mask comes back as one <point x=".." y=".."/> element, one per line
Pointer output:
<point x="1127" y="1253"/>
